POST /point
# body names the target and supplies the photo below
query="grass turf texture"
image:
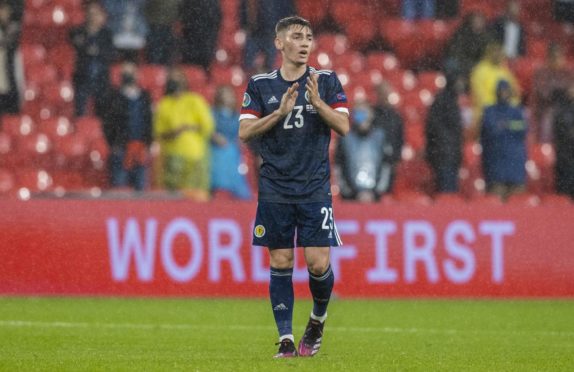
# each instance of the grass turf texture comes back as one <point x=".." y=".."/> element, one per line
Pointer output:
<point x="238" y="335"/>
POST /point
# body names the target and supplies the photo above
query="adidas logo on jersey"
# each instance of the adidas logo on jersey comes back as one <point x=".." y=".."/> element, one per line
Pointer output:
<point x="273" y="99"/>
<point x="280" y="307"/>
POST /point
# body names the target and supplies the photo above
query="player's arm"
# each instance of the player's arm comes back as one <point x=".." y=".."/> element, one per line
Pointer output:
<point x="249" y="128"/>
<point x="336" y="120"/>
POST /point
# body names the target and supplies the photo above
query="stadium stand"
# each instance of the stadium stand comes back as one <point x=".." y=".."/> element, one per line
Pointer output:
<point x="47" y="147"/>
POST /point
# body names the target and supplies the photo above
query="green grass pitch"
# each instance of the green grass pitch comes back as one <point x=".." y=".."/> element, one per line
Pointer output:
<point x="99" y="334"/>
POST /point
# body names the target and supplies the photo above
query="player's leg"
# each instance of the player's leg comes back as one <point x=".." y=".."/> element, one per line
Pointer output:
<point x="321" y="280"/>
<point x="275" y="229"/>
<point x="283" y="298"/>
<point x="317" y="233"/>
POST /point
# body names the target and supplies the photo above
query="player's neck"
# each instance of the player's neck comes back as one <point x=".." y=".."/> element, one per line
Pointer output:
<point x="292" y="72"/>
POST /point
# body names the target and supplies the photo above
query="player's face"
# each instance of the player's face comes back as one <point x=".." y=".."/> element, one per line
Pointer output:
<point x="295" y="44"/>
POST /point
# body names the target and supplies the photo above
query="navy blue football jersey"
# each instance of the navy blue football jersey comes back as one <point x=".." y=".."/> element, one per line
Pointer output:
<point x="295" y="151"/>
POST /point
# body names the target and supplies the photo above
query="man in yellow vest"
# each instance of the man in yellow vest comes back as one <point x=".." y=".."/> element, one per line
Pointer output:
<point x="484" y="78"/>
<point x="183" y="126"/>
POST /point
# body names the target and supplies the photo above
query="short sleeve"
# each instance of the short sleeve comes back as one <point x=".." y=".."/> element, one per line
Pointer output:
<point x="251" y="107"/>
<point x="336" y="97"/>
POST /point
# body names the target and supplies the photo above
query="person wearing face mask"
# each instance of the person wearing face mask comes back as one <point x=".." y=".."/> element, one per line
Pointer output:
<point x="225" y="150"/>
<point x="183" y="126"/>
<point x="503" y="140"/>
<point x="363" y="158"/>
<point x="127" y="125"/>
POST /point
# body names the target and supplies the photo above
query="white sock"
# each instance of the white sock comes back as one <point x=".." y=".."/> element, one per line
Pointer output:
<point x="290" y="337"/>
<point x="319" y="318"/>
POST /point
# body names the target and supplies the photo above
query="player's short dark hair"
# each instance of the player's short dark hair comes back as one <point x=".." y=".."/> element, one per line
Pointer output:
<point x="287" y="22"/>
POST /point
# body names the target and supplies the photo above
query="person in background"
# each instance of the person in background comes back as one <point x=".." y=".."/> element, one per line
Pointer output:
<point x="508" y="31"/>
<point x="17" y="7"/>
<point x="362" y="161"/>
<point x="554" y="76"/>
<point x="225" y="149"/>
<point x="200" y="21"/>
<point x="9" y="43"/>
<point x="183" y="126"/>
<point x="564" y="143"/>
<point x="447" y="9"/>
<point x="258" y="19"/>
<point x="444" y="134"/>
<point x="564" y="10"/>
<point x="484" y="79"/>
<point x="94" y="52"/>
<point x="161" y="15"/>
<point x="127" y="126"/>
<point x="386" y="117"/>
<point x="467" y="45"/>
<point x="128" y="25"/>
<point x="503" y="140"/>
<point x="413" y="9"/>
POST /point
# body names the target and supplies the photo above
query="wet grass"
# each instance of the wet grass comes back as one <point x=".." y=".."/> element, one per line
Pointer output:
<point x="72" y="334"/>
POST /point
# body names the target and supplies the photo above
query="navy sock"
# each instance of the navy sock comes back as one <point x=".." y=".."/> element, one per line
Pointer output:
<point x="321" y="287"/>
<point x="282" y="298"/>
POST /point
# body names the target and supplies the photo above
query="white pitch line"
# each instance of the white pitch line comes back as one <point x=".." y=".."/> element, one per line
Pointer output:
<point x="187" y="327"/>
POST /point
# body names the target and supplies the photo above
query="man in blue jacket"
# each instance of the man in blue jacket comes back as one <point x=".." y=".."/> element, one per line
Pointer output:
<point x="503" y="139"/>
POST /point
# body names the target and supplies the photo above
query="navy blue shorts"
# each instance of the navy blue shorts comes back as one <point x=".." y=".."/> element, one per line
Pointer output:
<point x="277" y="224"/>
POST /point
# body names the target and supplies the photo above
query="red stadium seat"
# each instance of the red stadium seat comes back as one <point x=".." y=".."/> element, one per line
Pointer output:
<point x="413" y="198"/>
<point x="34" y="179"/>
<point x="449" y="199"/>
<point x="63" y="57"/>
<point x="524" y="69"/>
<point x="344" y="12"/>
<point x="41" y="74"/>
<point x="89" y="126"/>
<point x="67" y="180"/>
<point x="17" y="125"/>
<point x="195" y="75"/>
<point x="7" y="150"/>
<point x="60" y="96"/>
<point x="361" y="31"/>
<point x="540" y="168"/>
<point x="35" y="150"/>
<point x="557" y="200"/>
<point x="486" y="199"/>
<point x="490" y="8"/>
<point x="35" y="5"/>
<point x="415" y="136"/>
<point x="350" y="61"/>
<point x="413" y="175"/>
<point x="382" y="61"/>
<point x="315" y="11"/>
<point x="433" y="81"/>
<point x="152" y="77"/>
<point x="524" y="199"/>
<point x="233" y="75"/>
<point x="33" y="54"/>
<point x="55" y="128"/>
<point x="71" y="152"/>
<point x="333" y="44"/>
<point x="208" y="92"/>
<point x="99" y="152"/>
<point x="536" y="49"/>
<point x="7" y="182"/>
<point x="32" y="98"/>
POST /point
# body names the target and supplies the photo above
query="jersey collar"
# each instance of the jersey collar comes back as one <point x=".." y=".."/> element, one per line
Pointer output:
<point x="302" y="78"/>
